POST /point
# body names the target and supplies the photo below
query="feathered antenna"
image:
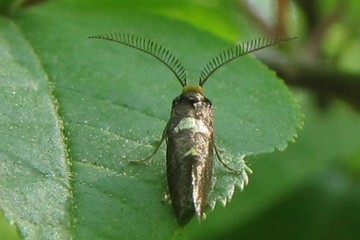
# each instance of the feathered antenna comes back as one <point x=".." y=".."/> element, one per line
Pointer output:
<point x="150" y="47"/>
<point x="232" y="53"/>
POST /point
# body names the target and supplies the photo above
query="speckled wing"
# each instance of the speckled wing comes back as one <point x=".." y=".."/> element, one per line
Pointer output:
<point x="190" y="144"/>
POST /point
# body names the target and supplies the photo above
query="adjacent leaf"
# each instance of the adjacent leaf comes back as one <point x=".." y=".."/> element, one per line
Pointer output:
<point x="34" y="179"/>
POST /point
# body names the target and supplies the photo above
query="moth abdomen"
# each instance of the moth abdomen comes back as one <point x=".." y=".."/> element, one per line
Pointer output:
<point x="190" y="143"/>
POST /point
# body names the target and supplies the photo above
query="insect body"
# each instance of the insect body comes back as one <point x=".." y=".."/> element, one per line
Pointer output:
<point x="189" y="133"/>
<point x="190" y="149"/>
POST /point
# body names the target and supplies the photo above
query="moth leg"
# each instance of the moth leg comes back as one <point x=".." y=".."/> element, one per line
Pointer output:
<point x="217" y="152"/>
<point x="157" y="147"/>
<point x="220" y="150"/>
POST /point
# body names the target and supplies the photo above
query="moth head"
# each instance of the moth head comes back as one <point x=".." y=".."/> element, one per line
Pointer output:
<point x="193" y="88"/>
<point x="192" y="94"/>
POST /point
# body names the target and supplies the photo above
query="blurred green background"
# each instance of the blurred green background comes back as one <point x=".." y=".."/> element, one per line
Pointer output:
<point x="311" y="189"/>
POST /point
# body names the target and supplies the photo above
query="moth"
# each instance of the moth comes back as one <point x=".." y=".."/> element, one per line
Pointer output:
<point x="189" y="133"/>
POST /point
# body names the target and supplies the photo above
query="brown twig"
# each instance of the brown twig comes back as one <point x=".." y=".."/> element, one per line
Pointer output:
<point x="283" y="18"/>
<point x="29" y="3"/>
<point x="327" y="83"/>
<point x="319" y="31"/>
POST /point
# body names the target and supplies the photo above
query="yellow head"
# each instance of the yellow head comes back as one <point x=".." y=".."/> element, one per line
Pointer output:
<point x="193" y="88"/>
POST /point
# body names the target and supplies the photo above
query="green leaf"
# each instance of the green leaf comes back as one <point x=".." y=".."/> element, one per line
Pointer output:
<point x="8" y="7"/>
<point x="35" y="187"/>
<point x="8" y="231"/>
<point x="111" y="103"/>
